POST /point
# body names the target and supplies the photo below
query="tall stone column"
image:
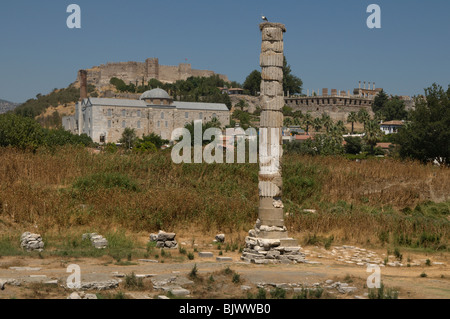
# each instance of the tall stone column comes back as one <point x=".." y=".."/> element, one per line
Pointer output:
<point x="269" y="242"/>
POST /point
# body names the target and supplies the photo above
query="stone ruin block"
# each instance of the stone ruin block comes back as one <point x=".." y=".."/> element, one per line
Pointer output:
<point x="271" y="88"/>
<point x="269" y="189"/>
<point x="164" y="240"/>
<point x="97" y="240"/>
<point x="271" y="119"/>
<point x="220" y="238"/>
<point x="272" y="103"/>
<point x="272" y="34"/>
<point x="268" y="59"/>
<point x="31" y="242"/>
<point x="271" y="73"/>
<point x="272" y="46"/>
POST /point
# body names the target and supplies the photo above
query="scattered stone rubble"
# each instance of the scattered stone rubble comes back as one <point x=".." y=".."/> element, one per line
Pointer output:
<point x="172" y="284"/>
<point x="31" y="242"/>
<point x="99" y="285"/>
<point x="164" y="240"/>
<point x="98" y="241"/>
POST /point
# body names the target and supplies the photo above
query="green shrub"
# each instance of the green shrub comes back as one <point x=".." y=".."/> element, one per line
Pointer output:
<point x="133" y="282"/>
<point x="236" y="278"/>
<point x="105" y="180"/>
<point x="262" y="294"/>
<point x="278" y="293"/>
<point x="193" y="273"/>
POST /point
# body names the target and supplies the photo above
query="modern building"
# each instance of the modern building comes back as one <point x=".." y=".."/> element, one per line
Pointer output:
<point x="105" y="119"/>
<point x="391" y="127"/>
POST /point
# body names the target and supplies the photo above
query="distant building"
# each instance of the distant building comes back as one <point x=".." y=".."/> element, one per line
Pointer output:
<point x="391" y="127"/>
<point x="231" y="91"/>
<point x="105" y="119"/>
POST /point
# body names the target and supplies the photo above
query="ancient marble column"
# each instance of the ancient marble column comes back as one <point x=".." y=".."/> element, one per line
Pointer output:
<point x="269" y="240"/>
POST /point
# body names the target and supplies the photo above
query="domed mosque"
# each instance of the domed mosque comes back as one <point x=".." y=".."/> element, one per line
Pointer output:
<point x="105" y="119"/>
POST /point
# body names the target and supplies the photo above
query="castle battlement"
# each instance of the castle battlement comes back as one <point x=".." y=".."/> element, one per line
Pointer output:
<point x="133" y="71"/>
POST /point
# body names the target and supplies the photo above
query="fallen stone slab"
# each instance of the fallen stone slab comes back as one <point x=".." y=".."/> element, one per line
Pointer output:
<point x="163" y="236"/>
<point x="204" y="254"/>
<point x="145" y="275"/>
<point x="224" y="259"/>
<point x="163" y="297"/>
<point x="148" y="261"/>
<point x="25" y="268"/>
<point x="180" y="292"/>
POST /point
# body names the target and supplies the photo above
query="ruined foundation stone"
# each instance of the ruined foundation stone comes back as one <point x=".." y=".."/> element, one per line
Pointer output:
<point x="98" y="241"/>
<point x="31" y="242"/>
<point x="164" y="240"/>
<point x="269" y="242"/>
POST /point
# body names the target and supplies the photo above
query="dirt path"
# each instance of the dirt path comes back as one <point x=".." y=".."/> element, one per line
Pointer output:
<point x="407" y="280"/>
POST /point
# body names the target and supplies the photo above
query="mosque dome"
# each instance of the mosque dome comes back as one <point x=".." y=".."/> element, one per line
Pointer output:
<point x="155" y="94"/>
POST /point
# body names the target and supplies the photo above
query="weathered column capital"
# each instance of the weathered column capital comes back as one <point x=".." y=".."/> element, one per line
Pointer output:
<point x="272" y="25"/>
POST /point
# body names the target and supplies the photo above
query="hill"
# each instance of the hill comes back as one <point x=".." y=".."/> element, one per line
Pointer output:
<point x="6" y="106"/>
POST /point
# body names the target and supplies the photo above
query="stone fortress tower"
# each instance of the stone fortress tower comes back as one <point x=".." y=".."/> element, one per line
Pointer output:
<point x="269" y="242"/>
<point x="136" y="72"/>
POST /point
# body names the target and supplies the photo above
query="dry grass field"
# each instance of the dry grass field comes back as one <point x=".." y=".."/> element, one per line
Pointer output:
<point x="67" y="191"/>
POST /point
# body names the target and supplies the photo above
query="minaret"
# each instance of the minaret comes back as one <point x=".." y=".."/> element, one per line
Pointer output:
<point x="83" y="95"/>
<point x="268" y="242"/>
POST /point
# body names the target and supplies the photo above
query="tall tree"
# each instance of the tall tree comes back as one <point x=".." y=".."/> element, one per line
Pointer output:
<point x="352" y="118"/>
<point x="427" y="136"/>
<point x="129" y="137"/>
<point x="291" y="83"/>
<point x="317" y="124"/>
<point x="307" y="121"/>
<point x="379" y="101"/>
<point x="394" y="109"/>
<point x="253" y="82"/>
<point x="327" y="122"/>
<point x="373" y="134"/>
<point x="363" y="117"/>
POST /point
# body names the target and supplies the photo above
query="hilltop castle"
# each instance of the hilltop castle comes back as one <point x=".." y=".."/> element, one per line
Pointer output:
<point x="136" y="72"/>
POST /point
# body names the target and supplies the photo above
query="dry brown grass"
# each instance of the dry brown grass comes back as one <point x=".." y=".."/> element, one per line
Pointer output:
<point x="353" y="200"/>
<point x="380" y="181"/>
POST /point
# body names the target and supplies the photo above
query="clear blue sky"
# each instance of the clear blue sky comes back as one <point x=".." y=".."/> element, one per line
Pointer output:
<point x="327" y="42"/>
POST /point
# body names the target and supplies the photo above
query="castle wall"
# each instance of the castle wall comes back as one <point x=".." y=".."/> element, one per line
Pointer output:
<point x="337" y="107"/>
<point x="132" y="71"/>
